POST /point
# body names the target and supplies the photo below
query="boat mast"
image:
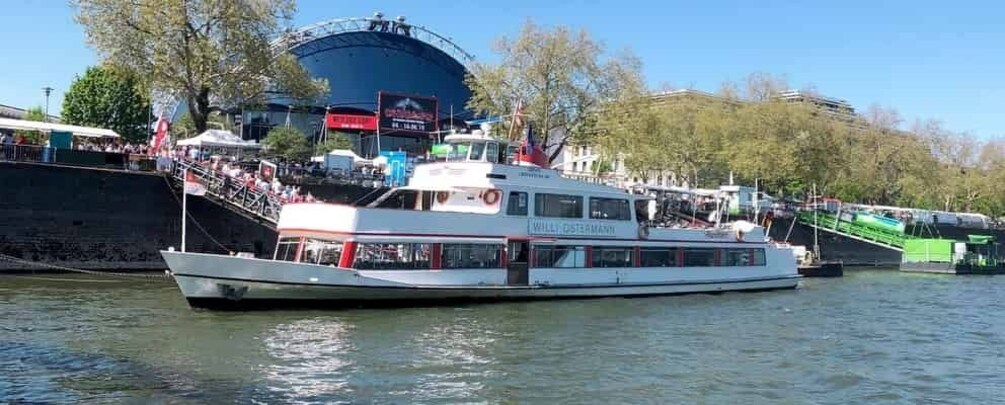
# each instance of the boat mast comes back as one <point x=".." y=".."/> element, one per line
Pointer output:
<point x="816" y="223"/>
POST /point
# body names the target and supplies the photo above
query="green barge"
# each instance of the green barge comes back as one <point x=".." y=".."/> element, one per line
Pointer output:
<point x="977" y="255"/>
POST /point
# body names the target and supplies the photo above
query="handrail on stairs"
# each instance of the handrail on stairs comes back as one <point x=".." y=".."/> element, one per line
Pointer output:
<point x="231" y="192"/>
<point x="833" y="224"/>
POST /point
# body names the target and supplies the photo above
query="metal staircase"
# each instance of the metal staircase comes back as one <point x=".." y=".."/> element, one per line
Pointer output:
<point x="832" y="224"/>
<point x="232" y="194"/>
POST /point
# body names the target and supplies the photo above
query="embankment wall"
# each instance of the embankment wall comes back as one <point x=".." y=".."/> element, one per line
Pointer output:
<point x="110" y="220"/>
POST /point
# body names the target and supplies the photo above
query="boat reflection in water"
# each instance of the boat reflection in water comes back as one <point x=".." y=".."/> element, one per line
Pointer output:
<point x="478" y="230"/>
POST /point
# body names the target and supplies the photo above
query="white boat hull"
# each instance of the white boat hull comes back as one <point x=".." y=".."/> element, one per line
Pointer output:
<point x="224" y="281"/>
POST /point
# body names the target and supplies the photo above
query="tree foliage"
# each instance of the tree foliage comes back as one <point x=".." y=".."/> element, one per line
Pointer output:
<point x="287" y="144"/>
<point x="701" y="138"/>
<point x="559" y="75"/>
<point x="36" y="114"/>
<point x="206" y="52"/>
<point x="335" y="141"/>
<point x="184" y="127"/>
<point x="104" y="98"/>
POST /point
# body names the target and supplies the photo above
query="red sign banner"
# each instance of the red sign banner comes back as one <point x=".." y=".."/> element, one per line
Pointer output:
<point x="350" y="121"/>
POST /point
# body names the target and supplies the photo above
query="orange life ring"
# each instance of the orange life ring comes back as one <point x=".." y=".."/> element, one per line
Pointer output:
<point x="491" y="197"/>
<point x="442" y="196"/>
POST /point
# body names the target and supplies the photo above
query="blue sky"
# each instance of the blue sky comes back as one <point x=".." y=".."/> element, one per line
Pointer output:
<point x="927" y="59"/>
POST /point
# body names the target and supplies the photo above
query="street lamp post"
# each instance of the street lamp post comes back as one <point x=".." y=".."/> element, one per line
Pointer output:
<point x="47" y="90"/>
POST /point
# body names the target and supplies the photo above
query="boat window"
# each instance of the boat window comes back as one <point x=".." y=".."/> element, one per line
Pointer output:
<point x="610" y="208"/>
<point x="477" y="148"/>
<point x="658" y="257"/>
<point x="558" y="206"/>
<point x="492" y="152"/>
<point x="517" y="203"/>
<point x="471" y="256"/>
<point x="392" y="256"/>
<point x="286" y="249"/>
<point x="759" y="258"/>
<point x="699" y="257"/>
<point x="321" y="252"/>
<point x="612" y="256"/>
<point x="737" y="257"/>
<point x="457" y="152"/>
<point x="559" y="256"/>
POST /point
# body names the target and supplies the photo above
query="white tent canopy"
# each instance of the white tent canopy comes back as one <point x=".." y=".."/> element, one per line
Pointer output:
<point x="349" y="153"/>
<point x="49" y="127"/>
<point x="356" y="159"/>
<point x="220" y="138"/>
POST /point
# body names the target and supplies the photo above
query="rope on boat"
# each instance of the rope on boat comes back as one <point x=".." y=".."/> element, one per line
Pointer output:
<point x="12" y="259"/>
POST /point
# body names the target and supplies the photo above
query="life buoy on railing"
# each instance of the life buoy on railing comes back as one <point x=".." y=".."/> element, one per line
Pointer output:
<point x="491" y="197"/>
<point x="441" y="196"/>
<point x="643" y="231"/>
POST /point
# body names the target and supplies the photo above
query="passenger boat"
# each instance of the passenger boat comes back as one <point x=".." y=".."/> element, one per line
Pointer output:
<point x="474" y="228"/>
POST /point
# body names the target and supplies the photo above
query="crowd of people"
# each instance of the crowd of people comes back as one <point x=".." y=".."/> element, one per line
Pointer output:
<point x="234" y="173"/>
<point x="366" y="175"/>
<point x="14" y="139"/>
<point x="253" y="179"/>
<point x="111" y="145"/>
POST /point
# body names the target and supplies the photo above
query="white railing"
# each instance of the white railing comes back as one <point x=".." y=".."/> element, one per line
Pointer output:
<point x="305" y="34"/>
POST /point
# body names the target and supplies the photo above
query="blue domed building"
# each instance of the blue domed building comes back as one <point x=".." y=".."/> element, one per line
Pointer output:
<point x="360" y="58"/>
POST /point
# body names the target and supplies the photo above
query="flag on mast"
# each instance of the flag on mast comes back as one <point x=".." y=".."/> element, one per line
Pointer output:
<point x="193" y="185"/>
<point x="530" y="153"/>
<point x="517" y="123"/>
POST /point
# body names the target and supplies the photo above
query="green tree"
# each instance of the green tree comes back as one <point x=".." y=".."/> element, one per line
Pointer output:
<point x="36" y="114"/>
<point x="287" y="144"/>
<point x="105" y="98"/>
<point x="335" y="141"/>
<point x="559" y="76"/>
<point x="206" y="52"/>
<point x="184" y="127"/>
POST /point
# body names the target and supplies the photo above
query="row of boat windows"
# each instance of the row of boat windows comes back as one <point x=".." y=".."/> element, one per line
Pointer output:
<point x="407" y="256"/>
<point x="568" y="206"/>
<point x="575" y="256"/>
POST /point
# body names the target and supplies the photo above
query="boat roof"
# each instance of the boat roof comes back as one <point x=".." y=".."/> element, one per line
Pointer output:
<point x="484" y="175"/>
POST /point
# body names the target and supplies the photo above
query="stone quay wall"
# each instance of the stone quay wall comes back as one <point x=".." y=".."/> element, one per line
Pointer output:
<point x="110" y="220"/>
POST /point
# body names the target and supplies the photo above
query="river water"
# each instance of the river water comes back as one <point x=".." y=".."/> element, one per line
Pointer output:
<point x="873" y="336"/>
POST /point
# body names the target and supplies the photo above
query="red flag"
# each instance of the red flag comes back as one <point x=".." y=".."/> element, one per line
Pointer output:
<point x="193" y="185"/>
<point x="161" y="134"/>
<point x="530" y="153"/>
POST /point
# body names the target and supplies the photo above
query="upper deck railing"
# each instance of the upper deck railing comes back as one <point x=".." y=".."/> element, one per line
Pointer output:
<point x="305" y="34"/>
